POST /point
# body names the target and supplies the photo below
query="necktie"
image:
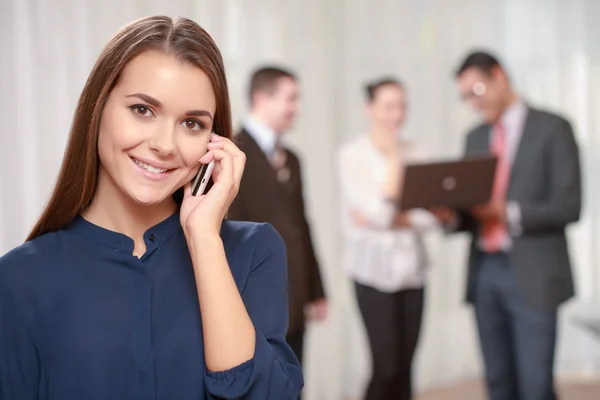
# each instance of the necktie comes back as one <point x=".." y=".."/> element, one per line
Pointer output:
<point x="495" y="232"/>
<point x="279" y="162"/>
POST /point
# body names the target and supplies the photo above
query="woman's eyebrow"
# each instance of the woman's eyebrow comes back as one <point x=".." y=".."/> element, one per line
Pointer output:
<point x="148" y="99"/>
<point x="154" y="102"/>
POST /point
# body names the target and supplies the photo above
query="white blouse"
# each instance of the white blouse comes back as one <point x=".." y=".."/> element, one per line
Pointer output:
<point x="386" y="258"/>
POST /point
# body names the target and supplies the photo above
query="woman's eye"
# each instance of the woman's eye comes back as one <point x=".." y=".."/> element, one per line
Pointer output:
<point x="142" y="110"/>
<point x="193" y="124"/>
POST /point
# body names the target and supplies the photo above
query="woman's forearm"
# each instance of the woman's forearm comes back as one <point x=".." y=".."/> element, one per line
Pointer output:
<point x="229" y="335"/>
<point x="401" y="220"/>
<point x="394" y="179"/>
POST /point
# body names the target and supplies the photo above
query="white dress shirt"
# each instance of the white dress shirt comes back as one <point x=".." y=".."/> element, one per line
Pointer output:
<point x="265" y="137"/>
<point x="384" y="257"/>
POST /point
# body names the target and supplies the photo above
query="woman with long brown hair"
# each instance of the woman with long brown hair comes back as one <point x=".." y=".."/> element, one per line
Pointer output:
<point x="129" y="287"/>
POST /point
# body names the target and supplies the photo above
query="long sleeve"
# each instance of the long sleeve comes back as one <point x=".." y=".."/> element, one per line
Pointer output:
<point x="316" y="284"/>
<point x="273" y="373"/>
<point x="513" y="218"/>
<point x="19" y="367"/>
<point x="359" y="193"/>
<point x="563" y="204"/>
<point x="422" y="220"/>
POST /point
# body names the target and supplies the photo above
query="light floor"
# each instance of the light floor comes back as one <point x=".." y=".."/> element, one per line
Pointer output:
<point x="583" y="390"/>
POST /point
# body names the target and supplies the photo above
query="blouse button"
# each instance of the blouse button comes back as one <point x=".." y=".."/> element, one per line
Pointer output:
<point x="152" y="237"/>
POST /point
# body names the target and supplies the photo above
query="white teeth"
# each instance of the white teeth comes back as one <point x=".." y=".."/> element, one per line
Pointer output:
<point x="149" y="167"/>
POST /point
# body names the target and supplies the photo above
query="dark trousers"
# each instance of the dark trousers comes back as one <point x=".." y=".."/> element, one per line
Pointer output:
<point x="392" y="322"/>
<point x="296" y="342"/>
<point x="517" y="340"/>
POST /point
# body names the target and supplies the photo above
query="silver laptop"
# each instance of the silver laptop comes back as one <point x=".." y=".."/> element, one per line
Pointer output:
<point x="457" y="184"/>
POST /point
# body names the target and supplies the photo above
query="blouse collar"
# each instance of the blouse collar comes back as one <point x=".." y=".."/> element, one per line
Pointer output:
<point x="152" y="237"/>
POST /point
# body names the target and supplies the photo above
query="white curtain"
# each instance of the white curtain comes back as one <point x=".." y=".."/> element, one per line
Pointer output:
<point x="47" y="49"/>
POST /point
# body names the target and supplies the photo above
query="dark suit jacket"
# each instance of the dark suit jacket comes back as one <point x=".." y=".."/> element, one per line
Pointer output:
<point x="546" y="183"/>
<point x="262" y="198"/>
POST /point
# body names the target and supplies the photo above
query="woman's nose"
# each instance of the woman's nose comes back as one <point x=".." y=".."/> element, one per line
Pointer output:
<point x="163" y="142"/>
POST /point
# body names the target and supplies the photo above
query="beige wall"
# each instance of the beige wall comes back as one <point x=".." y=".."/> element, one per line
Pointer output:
<point x="334" y="45"/>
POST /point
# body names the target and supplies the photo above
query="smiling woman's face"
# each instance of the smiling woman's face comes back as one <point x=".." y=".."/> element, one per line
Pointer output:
<point x="154" y="128"/>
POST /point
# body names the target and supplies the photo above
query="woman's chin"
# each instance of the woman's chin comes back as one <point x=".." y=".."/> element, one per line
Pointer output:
<point x="151" y="199"/>
<point x="394" y="128"/>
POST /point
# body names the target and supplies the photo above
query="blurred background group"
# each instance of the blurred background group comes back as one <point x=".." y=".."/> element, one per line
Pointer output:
<point x="334" y="49"/>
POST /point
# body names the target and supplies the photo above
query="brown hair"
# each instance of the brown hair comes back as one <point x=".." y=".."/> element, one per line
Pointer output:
<point x="180" y="37"/>
<point x="372" y="88"/>
<point x="265" y="79"/>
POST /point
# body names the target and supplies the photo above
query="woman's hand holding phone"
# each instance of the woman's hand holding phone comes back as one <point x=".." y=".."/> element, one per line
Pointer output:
<point x="202" y="215"/>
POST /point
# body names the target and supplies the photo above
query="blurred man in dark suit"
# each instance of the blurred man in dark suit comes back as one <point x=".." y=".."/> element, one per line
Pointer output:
<point x="271" y="191"/>
<point x="519" y="268"/>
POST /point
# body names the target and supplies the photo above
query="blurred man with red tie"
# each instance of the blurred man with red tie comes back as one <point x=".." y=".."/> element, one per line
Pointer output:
<point x="271" y="191"/>
<point x="519" y="267"/>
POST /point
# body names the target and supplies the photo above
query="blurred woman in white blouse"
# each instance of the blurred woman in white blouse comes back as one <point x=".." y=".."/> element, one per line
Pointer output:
<point x="385" y="254"/>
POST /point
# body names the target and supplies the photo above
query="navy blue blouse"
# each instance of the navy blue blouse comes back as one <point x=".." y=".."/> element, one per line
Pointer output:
<point x="82" y="318"/>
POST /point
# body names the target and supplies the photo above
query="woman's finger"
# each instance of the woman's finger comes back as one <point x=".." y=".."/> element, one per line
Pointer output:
<point x="224" y="160"/>
<point x="215" y="145"/>
<point x="239" y="164"/>
<point x="239" y="157"/>
<point x="217" y="138"/>
<point x="239" y="161"/>
<point x="206" y="158"/>
<point x="221" y="139"/>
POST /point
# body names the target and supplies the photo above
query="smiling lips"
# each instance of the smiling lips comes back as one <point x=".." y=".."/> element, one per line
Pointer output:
<point x="151" y="171"/>
<point x="150" y="167"/>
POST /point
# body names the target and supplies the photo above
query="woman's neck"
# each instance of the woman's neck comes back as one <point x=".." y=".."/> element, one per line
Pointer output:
<point x="113" y="210"/>
<point x="382" y="139"/>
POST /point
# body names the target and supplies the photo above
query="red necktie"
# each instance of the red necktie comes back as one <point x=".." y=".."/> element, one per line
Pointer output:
<point x="495" y="232"/>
